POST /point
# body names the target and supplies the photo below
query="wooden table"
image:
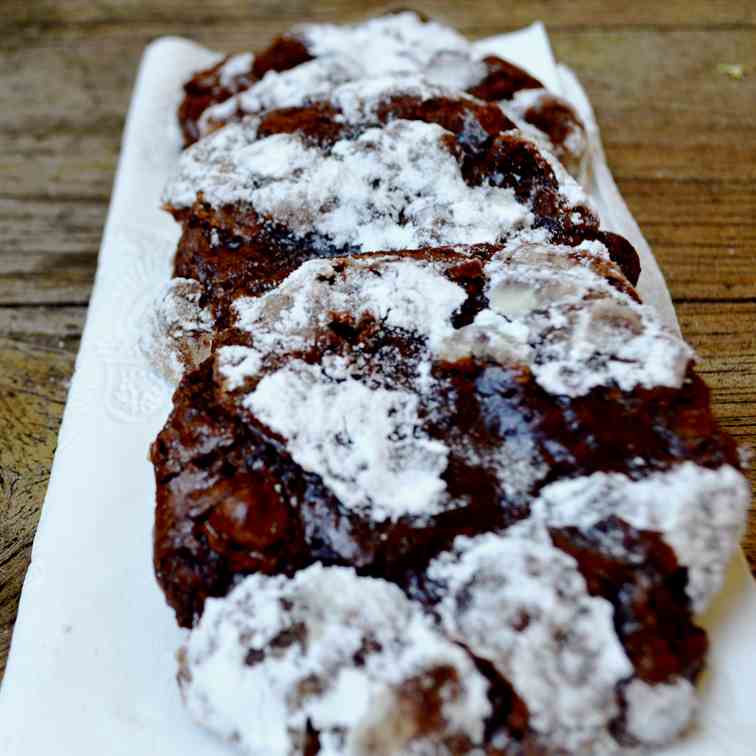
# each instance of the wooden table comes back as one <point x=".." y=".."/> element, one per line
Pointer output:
<point x="678" y="125"/>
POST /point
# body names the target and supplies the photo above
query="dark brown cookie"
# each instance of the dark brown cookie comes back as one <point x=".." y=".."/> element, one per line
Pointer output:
<point x="490" y="374"/>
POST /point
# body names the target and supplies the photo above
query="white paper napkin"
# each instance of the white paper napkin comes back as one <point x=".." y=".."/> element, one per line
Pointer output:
<point x="91" y="670"/>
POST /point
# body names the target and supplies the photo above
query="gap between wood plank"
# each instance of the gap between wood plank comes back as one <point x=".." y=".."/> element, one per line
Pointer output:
<point x="713" y="300"/>
<point x="52" y="305"/>
<point x="214" y="22"/>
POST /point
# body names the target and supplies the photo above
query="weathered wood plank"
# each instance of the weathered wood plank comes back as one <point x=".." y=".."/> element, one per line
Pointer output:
<point x="674" y="13"/>
<point x="671" y="114"/>
<point x="49" y="250"/>
<point x="54" y="328"/>
<point x="724" y="335"/>
<point x="33" y="386"/>
<point x="37" y="350"/>
<point x="718" y="201"/>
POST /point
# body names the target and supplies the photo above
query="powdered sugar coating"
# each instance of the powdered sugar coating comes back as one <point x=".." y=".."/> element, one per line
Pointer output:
<point x="306" y="82"/>
<point x="395" y="43"/>
<point x="402" y="292"/>
<point x="395" y="187"/>
<point x="365" y="443"/>
<point x="358" y="102"/>
<point x="179" y="330"/>
<point x="365" y="440"/>
<point x="204" y="167"/>
<point x="568" y="323"/>
<point x="379" y="186"/>
<point x="699" y="512"/>
<point x="235" y="66"/>
<point x="581" y="331"/>
<point x="350" y="655"/>
<point x="657" y="714"/>
<point x="519" y="602"/>
<point x="450" y="72"/>
<point x="398" y="45"/>
<point x="454" y="69"/>
<point x="603" y="342"/>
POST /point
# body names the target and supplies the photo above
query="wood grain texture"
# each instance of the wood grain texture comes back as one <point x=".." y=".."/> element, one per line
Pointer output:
<point x="680" y="138"/>
<point x="37" y="351"/>
<point x="488" y="14"/>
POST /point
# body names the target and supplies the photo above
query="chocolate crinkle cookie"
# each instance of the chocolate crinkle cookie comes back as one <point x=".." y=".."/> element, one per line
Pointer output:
<point x="311" y="59"/>
<point x="328" y="662"/>
<point x="435" y="481"/>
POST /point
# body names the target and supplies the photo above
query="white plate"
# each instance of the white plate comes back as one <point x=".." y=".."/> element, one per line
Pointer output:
<point x="91" y="669"/>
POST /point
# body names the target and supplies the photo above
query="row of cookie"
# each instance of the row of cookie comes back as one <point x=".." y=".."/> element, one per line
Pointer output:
<point x="432" y="499"/>
<point x="385" y="163"/>
<point x="409" y="415"/>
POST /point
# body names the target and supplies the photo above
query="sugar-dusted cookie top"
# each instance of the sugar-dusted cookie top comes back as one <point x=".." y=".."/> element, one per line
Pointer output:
<point x="332" y="663"/>
<point x="310" y="60"/>
<point x="368" y="409"/>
